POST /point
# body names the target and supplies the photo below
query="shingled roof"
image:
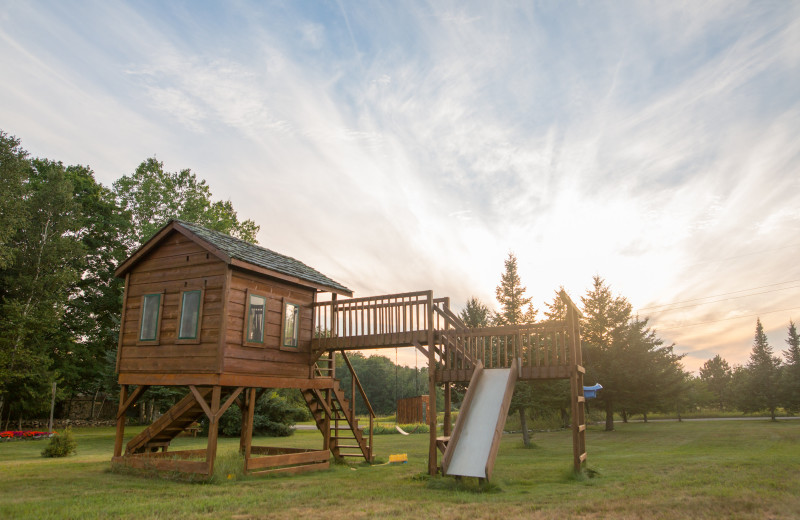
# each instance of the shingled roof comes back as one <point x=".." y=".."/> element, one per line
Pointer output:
<point x="250" y="254"/>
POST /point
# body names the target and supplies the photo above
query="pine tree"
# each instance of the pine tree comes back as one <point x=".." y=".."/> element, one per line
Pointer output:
<point x="603" y="330"/>
<point x="475" y="314"/>
<point x="790" y="380"/>
<point x="762" y="376"/>
<point x="511" y="296"/>
<point x="557" y="309"/>
<point x="716" y="375"/>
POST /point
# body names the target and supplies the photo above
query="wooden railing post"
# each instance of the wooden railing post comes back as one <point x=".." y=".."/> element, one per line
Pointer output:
<point x="432" y="420"/>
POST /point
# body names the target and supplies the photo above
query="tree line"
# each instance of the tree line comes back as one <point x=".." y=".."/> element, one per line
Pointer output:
<point x="765" y="383"/>
<point x="639" y="373"/>
<point x="62" y="234"/>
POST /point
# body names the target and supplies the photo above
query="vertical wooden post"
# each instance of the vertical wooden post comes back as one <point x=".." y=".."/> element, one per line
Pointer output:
<point x="447" y="405"/>
<point x="578" y="401"/>
<point x="432" y="450"/>
<point x="245" y="404"/>
<point x="213" y="430"/>
<point x="353" y="394"/>
<point x="326" y="419"/>
<point x="247" y="419"/>
<point x="123" y="396"/>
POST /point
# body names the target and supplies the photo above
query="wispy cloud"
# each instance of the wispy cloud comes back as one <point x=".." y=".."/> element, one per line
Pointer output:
<point x="412" y="146"/>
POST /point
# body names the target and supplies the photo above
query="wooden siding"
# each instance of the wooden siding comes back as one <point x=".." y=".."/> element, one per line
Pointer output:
<point x="177" y="265"/>
<point x="267" y="359"/>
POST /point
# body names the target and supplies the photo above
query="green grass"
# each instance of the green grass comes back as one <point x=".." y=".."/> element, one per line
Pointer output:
<point x="724" y="469"/>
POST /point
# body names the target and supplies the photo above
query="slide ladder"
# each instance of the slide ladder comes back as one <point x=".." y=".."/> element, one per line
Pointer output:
<point x="472" y="448"/>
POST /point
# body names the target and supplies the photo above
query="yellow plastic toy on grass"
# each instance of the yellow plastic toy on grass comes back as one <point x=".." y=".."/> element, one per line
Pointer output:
<point x="400" y="458"/>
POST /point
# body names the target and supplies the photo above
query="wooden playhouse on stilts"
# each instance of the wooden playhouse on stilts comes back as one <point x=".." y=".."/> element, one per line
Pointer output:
<point x="226" y="320"/>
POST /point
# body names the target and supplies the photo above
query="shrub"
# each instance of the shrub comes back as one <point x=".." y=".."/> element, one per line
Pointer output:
<point x="61" y="445"/>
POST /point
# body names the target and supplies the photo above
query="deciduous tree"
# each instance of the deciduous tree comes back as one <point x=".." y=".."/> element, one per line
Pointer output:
<point x="14" y="173"/>
<point x="35" y="286"/>
<point x="154" y="196"/>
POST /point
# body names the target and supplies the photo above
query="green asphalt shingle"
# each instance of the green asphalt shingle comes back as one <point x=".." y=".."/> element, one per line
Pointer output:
<point x="261" y="256"/>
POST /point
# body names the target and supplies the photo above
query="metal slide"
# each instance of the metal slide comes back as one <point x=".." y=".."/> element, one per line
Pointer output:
<point x="473" y="446"/>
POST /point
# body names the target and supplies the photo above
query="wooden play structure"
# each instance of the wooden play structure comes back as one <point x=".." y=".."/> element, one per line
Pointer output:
<point x="227" y="320"/>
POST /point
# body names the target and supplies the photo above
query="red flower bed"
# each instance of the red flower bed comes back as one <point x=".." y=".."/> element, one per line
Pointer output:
<point x="25" y="434"/>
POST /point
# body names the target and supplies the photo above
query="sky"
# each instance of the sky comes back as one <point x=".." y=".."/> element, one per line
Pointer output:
<point x="404" y="146"/>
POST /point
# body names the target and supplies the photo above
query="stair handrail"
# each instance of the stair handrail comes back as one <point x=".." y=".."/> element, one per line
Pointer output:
<point x="357" y="384"/>
<point x="449" y="317"/>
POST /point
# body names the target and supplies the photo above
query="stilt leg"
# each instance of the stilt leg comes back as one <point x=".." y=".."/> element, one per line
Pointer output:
<point x="123" y="396"/>
<point x="213" y="430"/>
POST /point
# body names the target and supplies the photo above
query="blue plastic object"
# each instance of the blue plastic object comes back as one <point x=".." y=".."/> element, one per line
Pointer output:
<point x="590" y="392"/>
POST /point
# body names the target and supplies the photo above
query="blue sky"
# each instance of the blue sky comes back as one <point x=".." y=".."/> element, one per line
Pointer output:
<point x="408" y="145"/>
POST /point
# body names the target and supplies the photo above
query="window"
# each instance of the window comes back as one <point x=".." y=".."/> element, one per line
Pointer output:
<point x="189" y="324"/>
<point x="291" y="324"/>
<point x="151" y="317"/>
<point x="254" y="318"/>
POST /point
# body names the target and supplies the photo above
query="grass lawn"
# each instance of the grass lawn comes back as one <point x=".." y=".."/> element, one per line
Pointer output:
<point x="718" y="469"/>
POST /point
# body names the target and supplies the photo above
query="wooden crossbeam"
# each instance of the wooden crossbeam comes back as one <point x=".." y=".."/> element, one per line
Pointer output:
<point x="228" y="402"/>
<point x="201" y="401"/>
<point x="131" y="399"/>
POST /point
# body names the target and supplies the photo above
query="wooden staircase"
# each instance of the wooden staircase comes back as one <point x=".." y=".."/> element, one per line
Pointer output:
<point x="335" y="414"/>
<point x="335" y="419"/>
<point x="164" y="429"/>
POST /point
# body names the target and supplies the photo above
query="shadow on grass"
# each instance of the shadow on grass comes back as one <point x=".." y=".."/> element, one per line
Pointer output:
<point x="580" y="476"/>
<point x="458" y="484"/>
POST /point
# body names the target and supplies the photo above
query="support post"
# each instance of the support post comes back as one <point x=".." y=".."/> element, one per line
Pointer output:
<point x="247" y="435"/>
<point x="448" y="425"/>
<point x="326" y="419"/>
<point x="432" y="451"/>
<point x="213" y="430"/>
<point x="577" y="401"/>
<point x="123" y="396"/>
<point x="245" y="404"/>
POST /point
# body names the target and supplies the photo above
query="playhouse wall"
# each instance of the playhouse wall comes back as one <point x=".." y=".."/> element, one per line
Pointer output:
<point x="177" y="265"/>
<point x="267" y="359"/>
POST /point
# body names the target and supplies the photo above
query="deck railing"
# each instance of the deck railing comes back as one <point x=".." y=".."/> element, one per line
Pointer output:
<point x="375" y="321"/>
<point x="539" y="345"/>
<point x="548" y="349"/>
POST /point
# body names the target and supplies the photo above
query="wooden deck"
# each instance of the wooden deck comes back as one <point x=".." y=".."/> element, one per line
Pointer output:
<point x="547" y="350"/>
<point x="542" y="351"/>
